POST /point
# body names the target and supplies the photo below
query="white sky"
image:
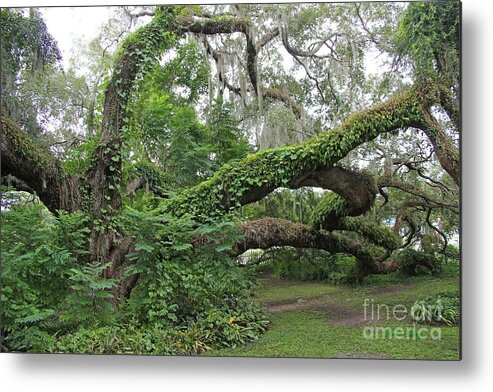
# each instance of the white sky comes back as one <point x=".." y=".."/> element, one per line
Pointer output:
<point x="68" y="23"/>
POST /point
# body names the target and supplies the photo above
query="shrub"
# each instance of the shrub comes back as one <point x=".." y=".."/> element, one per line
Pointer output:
<point x="413" y="263"/>
<point x="190" y="297"/>
<point x="312" y="265"/>
<point x="442" y="308"/>
<point x="301" y="264"/>
<point x="217" y="328"/>
<point x="186" y="286"/>
<point x="345" y="270"/>
<point x="450" y="262"/>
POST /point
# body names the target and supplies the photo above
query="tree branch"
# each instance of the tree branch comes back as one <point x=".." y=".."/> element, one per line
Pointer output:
<point x="270" y="232"/>
<point x="36" y="166"/>
<point x="257" y="175"/>
<point x="446" y="152"/>
<point x="392" y="182"/>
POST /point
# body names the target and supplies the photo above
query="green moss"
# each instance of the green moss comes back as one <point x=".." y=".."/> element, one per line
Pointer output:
<point x="373" y="231"/>
<point x="330" y="204"/>
<point x="274" y="168"/>
<point x="23" y="148"/>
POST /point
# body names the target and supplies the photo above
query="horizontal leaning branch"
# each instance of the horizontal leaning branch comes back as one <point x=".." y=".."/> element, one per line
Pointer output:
<point x="272" y="232"/>
<point x="258" y="174"/>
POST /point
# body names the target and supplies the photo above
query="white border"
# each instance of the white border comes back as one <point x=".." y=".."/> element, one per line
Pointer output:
<point x="474" y="373"/>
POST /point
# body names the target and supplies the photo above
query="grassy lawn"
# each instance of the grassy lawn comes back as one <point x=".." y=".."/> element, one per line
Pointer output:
<point x="325" y="321"/>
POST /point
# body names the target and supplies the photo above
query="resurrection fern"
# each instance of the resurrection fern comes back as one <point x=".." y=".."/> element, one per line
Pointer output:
<point x="274" y="168"/>
<point x="330" y="204"/>
<point x="375" y="232"/>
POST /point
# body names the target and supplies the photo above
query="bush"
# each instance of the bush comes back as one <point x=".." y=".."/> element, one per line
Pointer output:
<point x="301" y="264"/>
<point x="184" y="286"/>
<point x="345" y="270"/>
<point x="450" y="262"/>
<point x="38" y="254"/>
<point x="219" y="327"/>
<point x="442" y="308"/>
<point x="311" y="265"/>
<point x="187" y="299"/>
<point x="414" y="263"/>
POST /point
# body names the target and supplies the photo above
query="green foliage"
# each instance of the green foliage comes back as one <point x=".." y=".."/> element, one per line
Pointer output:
<point x="29" y="258"/>
<point x="375" y="232"/>
<point x="186" y="72"/>
<point x="227" y="141"/>
<point x="186" y="286"/>
<point x="449" y="264"/>
<point x="413" y="262"/>
<point x="28" y="53"/>
<point x="429" y="32"/>
<point x="294" y="205"/>
<point x="165" y="128"/>
<point x="129" y="339"/>
<point x="345" y="270"/>
<point x="310" y="265"/>
<point x="219" y="328"/>
<point x="41" y="264"/>
<point x="442" y="308"/>
<point x="27" y="42"/>
<point x="187" y="299"/>
<point x="79" y="159"/>
<point x="71" y="232"/>
<point x="88" y="302"/>
<point x="176" y="279"/>
<point x="302" y="264"/>
<point x="330" y="204"/>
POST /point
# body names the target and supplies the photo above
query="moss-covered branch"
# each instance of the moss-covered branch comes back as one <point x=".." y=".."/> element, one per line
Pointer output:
<point x="376" y="233"/>
<point x="34" y="164"/>
<point x="258" y="174"/>
<point x="270" y="232"/>
<point x="446" y="152"/>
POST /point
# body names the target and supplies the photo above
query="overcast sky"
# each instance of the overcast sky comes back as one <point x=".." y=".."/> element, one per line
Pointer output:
<point x="67" y="23"/>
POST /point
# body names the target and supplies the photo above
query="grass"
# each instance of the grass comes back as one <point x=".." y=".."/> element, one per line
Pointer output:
<point x="326" y="321"/>
<point x="273" y="290"/>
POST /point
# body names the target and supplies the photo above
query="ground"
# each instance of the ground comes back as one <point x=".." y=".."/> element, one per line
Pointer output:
<point x="320" y="320"/>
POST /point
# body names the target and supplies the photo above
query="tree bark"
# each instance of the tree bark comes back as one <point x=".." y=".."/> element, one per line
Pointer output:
<point x="35" y="165"/>
<point x="271" y="232"/>
<point x="447" y="154"/>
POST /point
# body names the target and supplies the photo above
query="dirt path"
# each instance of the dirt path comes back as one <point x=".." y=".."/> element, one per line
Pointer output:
<point x="338" y="311"/>
<point x="337" y="314"/>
